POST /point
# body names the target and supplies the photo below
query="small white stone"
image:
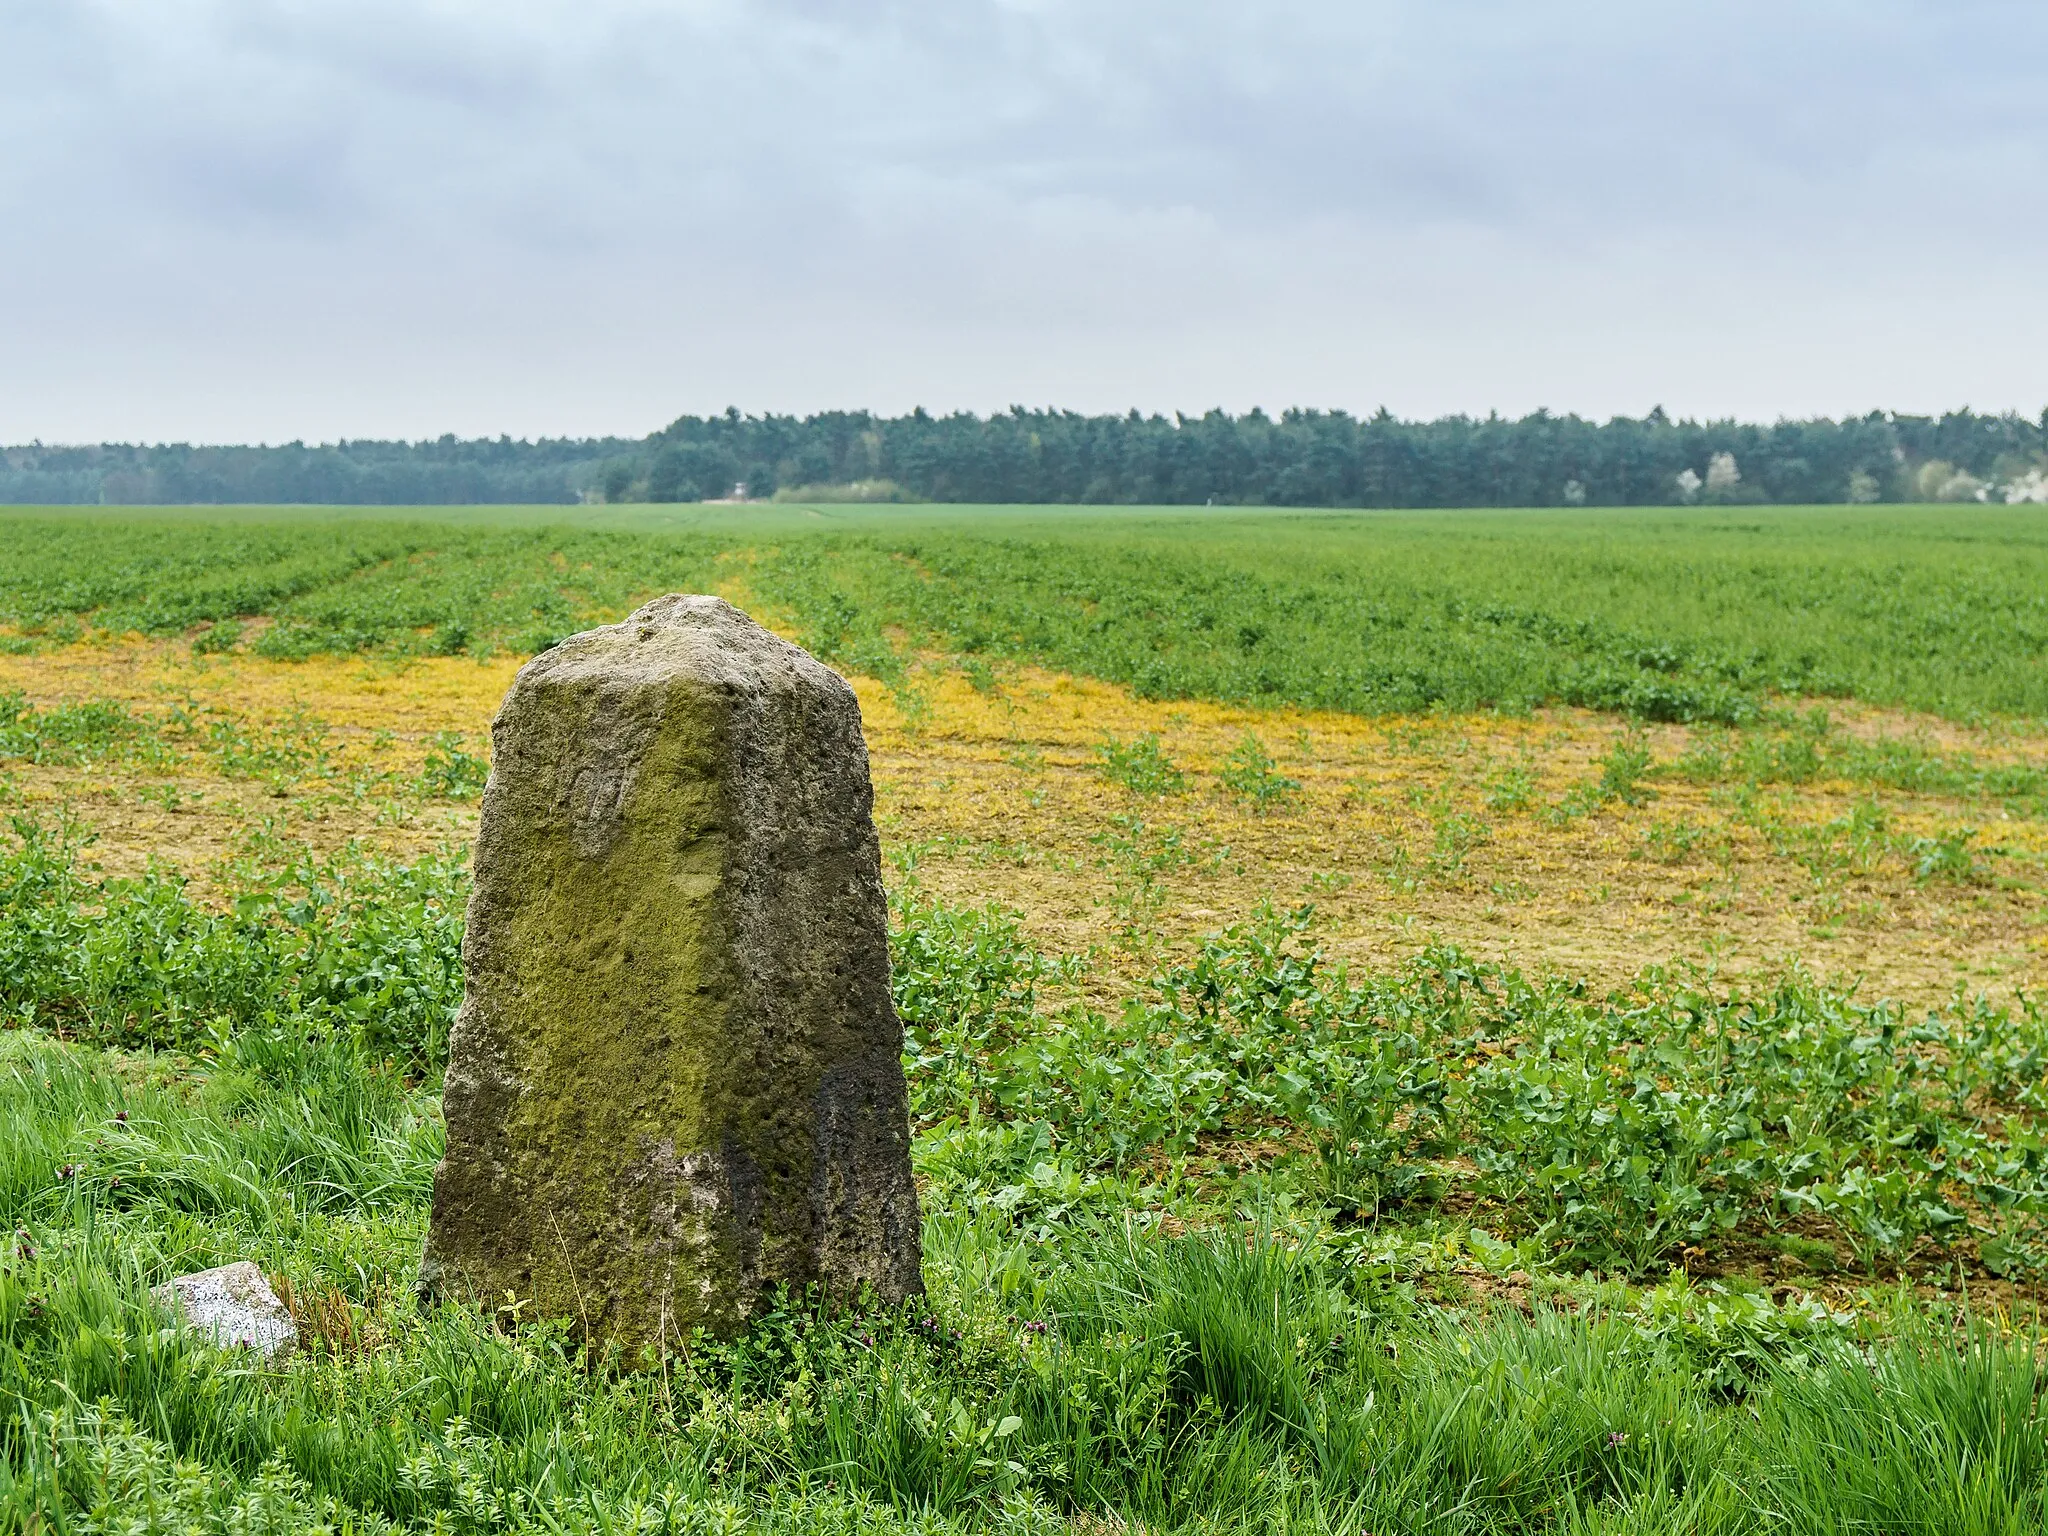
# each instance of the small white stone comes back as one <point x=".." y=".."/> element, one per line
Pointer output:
<point x="232" y="1306"/>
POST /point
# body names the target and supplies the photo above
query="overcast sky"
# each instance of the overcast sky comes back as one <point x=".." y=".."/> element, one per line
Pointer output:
<point x="231" y="220"/>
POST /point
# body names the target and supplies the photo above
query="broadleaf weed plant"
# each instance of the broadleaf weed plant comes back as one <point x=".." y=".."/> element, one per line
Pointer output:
<point x="1142" y="767"/>
<point x="1251" y="773"/>
<point x="1140" y="857"/>
<point x="450" y="770"/>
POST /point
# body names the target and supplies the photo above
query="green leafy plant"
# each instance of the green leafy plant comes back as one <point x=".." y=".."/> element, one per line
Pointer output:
<point x="1512" y="788"/>
<point x="1142" y="767"/>
<point x="965" y="985"/>
<point x="1454" y="835"/>
<point x="1671" y="842"/>
<point x="449" y="639"/>
<point x="1623" y="767"/>
<point x="1251" y="773"/>
<point x="450" y="770"/>
<point x="218" y="637"/>
<point x="70" y="734"/>
<point x="1946" y="857"/>
<point x="1376" y="1118"/>
<point x="1140" y="857"/>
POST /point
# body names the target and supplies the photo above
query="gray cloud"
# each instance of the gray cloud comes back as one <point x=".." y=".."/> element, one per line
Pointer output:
<point x="229" y="219"/>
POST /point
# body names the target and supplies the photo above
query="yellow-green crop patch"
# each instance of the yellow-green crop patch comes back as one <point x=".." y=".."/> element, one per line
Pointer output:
<point x="1664" y="614"/>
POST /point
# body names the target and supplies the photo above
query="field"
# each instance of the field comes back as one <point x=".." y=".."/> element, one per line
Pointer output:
<point x="1453" y="1022"/>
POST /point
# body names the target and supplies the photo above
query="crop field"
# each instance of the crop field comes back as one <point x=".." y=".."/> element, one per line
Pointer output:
<point x="1452" y="1022"/>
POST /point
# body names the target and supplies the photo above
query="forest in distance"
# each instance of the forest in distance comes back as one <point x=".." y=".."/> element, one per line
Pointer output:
<point x="1305" y="458"/>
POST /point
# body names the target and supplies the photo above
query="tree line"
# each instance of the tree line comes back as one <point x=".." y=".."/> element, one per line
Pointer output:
<point x="1297" y="458"/>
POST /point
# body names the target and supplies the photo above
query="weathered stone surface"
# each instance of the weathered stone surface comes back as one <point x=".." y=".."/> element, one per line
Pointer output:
<point x="676" y="1080"/>
<point x="233" y="1305"/>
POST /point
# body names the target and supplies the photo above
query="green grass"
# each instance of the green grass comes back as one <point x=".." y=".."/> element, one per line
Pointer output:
<point x="1665" y="614"/>
<point x="186" y="1085"/>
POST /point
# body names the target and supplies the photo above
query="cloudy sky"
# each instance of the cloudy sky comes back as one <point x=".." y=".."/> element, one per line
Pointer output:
<point x="230" y="220"/>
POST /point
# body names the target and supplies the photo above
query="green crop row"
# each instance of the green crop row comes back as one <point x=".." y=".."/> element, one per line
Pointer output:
<point x="1610" y="1132"/>
<point x="1665" y="615"/>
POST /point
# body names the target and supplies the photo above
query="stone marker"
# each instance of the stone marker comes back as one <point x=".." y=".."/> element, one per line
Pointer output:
<point x="232" y="1305"/>
<point x="676" y="1081"/>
